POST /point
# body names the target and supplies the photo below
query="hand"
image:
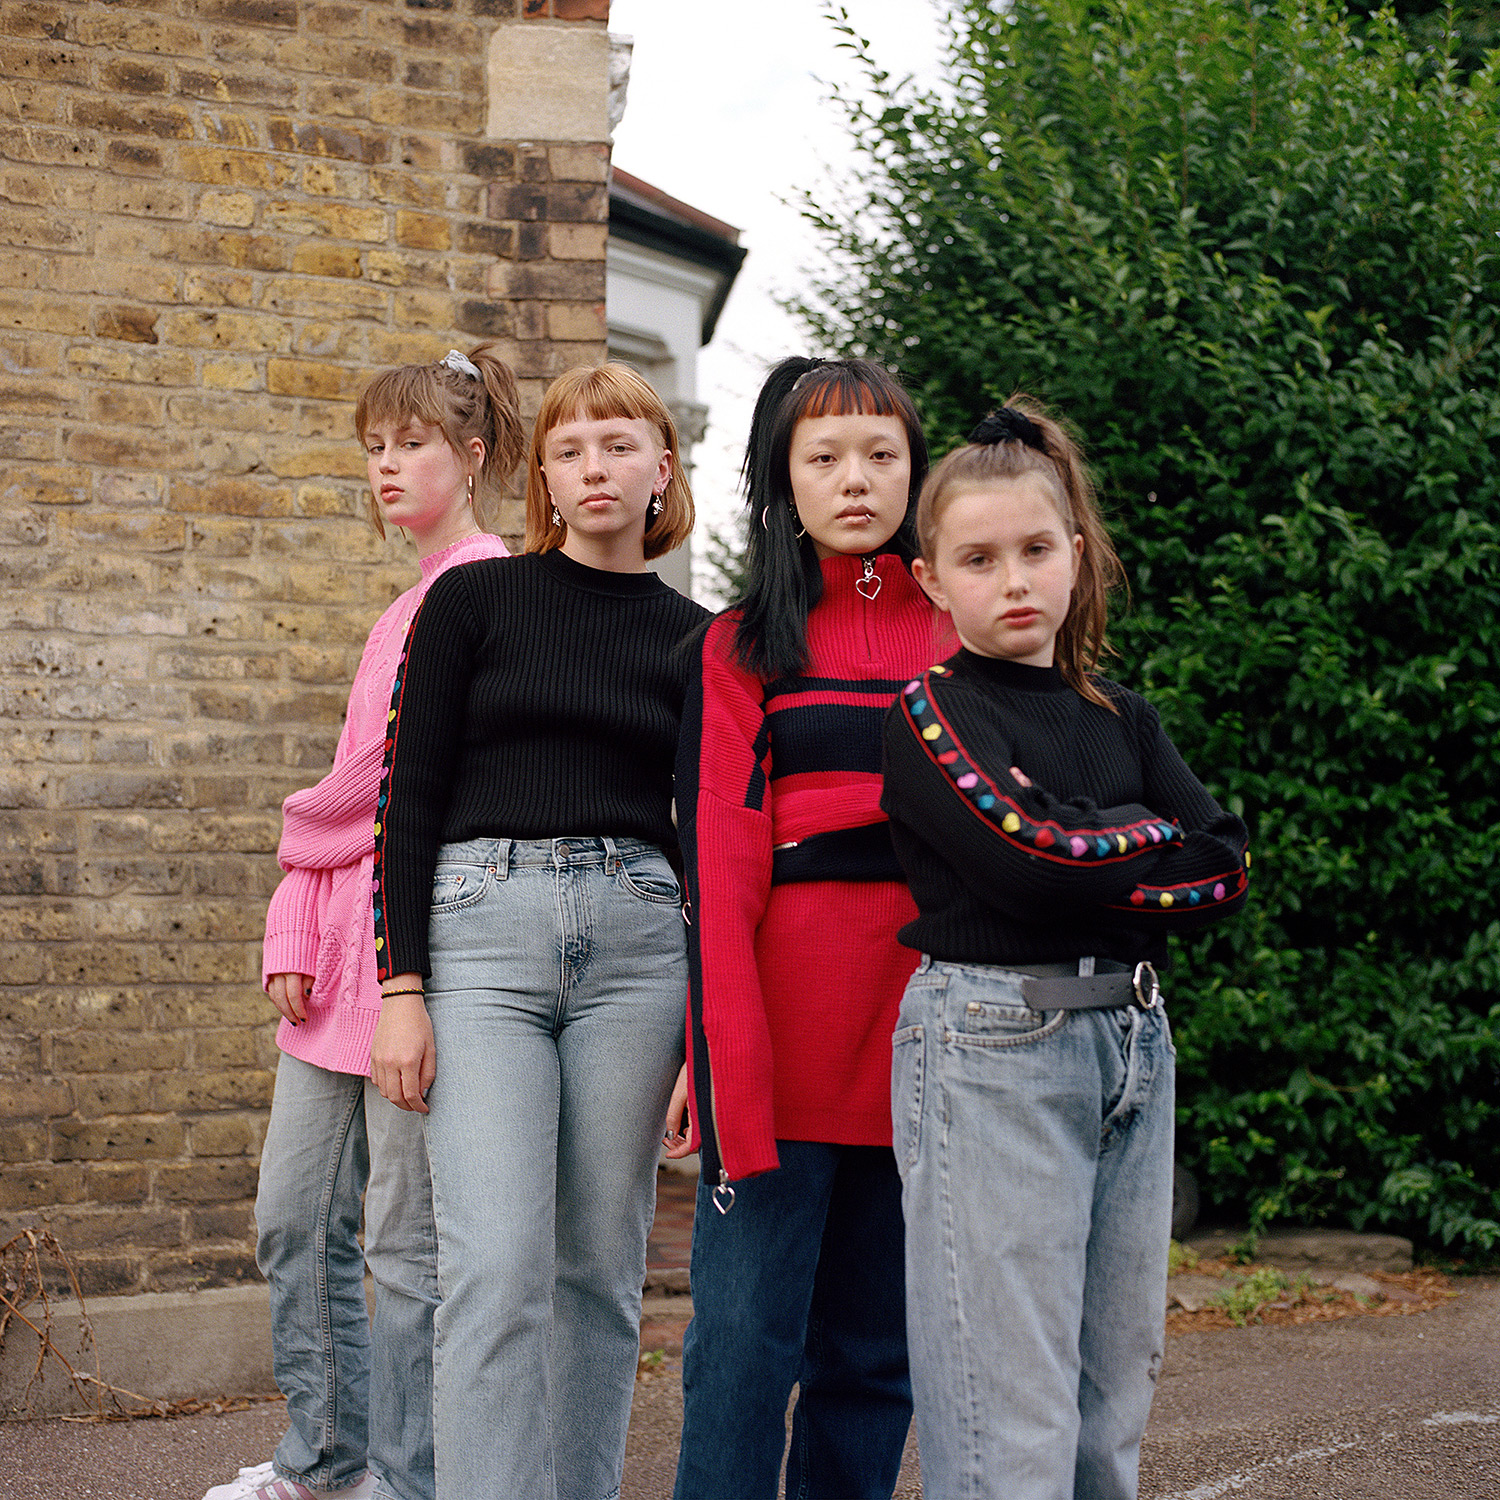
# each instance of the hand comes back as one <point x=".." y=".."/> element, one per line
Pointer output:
<point x="289" y="994"/>
<point x="678" y="1136"/>
<point x="403" y="1053"/>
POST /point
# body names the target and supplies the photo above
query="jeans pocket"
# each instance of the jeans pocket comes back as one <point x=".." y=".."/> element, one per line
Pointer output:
<point x="650" y="877"/>
<point x="908" y="1069"/>
<point x="987" y="1023"/>
<point x="457" y="886"/>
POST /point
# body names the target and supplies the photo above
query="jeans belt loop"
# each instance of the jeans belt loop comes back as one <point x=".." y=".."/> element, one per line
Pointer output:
<point x="501" y="858"/>
<point x="611" y="856"/>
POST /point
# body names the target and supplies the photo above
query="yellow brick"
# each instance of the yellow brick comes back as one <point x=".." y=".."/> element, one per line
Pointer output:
<point x="401" y="185"/>
<point x="394" y="347"/>
<point x="323" y="500"/>
<point x="37" y="398"/>
<point x="447" y="113"/>
<point x="232" y="130"/>
<point x="306" y="460"/>
<point x="232" y="168"/>
<point x="140" y="199"/>
<point x="231" y="413"/>
<point x="313" y="298"/>
<point x="326" y="260"/>
<point x="236" y="209"/>
<point x="26" y="226"/>
<point x="339" y="221"/>
<point x="138" y="532"/>
<point x="130" y="450"/>
<point x="340" y="339"/>
<point x="38" y="314"/>
<point x="423" y="231"/>
<point x="135" y="33"/>
<point x="206" y="288"/>
<point x="329" y="179"/>
<point x="125" y="406"/>
<point x="221" y="330"/>
<point x="577" y="241"/>
<point x="138" y="279"/>
<point x="232" y="497"/>
<point x="45" y="484"/>
<point x="28" y="185"/>
<point x="579" y="163"/>
<point x="123" y="362"/>
<point x="415" y="309"/>
<point x="232" y="375"/>
<point x="301" y="377"/>
<point x="27" y="354"/>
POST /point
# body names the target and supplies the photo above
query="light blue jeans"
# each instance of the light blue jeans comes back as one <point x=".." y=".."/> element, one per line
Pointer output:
<point x="557" y="997"/>
<point x="358" y="1394"/>
<point x="1036" y="1156"/>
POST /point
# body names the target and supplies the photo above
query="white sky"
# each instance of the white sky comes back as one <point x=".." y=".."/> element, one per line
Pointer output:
<point x="727" y="111"/>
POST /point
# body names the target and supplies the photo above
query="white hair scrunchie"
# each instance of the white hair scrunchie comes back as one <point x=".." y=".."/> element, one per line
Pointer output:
<point x="460" y="362"/>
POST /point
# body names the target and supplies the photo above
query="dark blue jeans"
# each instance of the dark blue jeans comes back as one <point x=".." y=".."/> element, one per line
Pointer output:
<point x="801" y="1282"/>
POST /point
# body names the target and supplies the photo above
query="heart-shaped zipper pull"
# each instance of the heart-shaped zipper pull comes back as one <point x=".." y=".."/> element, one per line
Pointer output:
<point x="868" y="583"/>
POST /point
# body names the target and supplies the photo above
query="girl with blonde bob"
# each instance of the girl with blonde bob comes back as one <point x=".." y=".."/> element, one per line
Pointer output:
<point x="531" y="941"/>
<point x="440" y="441"/>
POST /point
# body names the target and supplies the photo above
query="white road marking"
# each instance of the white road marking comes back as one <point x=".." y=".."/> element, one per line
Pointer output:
<point x="1233" y="1482"/>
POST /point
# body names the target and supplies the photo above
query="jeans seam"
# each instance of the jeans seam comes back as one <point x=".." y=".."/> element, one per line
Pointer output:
<point x="322" y="1471"/>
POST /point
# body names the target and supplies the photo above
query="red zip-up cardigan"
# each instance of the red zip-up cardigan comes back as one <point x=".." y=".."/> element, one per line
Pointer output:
<point x="796" y="896"/>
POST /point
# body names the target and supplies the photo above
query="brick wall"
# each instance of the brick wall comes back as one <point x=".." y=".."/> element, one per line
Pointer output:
<point x="216" y="218"/>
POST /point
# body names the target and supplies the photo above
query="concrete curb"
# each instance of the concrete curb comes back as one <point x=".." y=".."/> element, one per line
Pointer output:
<point x="162" y="1345"/>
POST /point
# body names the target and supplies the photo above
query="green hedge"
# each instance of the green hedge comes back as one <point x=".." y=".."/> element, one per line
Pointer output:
<point x="1253" y="256"/>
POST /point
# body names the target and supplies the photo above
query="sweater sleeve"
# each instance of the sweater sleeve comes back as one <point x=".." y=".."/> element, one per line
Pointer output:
<point x="331" y="824"/>
<point x="1018" y="848"/>
<point x="425" y="728"/>
<point x="1206" y="876"/>
<point x="293" y="930"/>
<point x="724" y="812"/>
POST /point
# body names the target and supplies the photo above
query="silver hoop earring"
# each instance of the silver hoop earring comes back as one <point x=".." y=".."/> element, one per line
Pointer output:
<point x="765" y="525"/>
<point x="556" y="519"/>
<point x="798" y="529"/>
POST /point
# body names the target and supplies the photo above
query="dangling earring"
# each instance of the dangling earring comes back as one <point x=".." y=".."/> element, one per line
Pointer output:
<point x="556" y="519"/>
<point x="471" y="489"/>
<point x="799" y="530"/>
<point x="655" y="504"/>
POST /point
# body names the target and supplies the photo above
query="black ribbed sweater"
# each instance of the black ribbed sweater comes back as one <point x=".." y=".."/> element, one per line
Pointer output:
<point x="1108" y="843"/>
<point x="537" y="698"/>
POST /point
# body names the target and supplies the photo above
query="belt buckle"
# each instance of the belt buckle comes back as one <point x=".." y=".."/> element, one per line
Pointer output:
<point x="1146" y="985"/>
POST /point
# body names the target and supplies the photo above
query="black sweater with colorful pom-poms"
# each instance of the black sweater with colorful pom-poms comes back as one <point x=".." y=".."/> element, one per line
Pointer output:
<point x="1037" y="827"/>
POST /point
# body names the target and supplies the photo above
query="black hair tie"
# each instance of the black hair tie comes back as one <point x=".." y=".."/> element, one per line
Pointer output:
<point x="1006" y="425"/>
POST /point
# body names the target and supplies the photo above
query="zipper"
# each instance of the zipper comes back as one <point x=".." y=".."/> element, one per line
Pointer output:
<point x="862" y="586"/>
<point x="726" y="1202"/>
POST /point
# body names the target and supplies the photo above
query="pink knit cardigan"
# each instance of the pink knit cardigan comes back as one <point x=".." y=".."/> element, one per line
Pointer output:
<point x="320" y="921"/>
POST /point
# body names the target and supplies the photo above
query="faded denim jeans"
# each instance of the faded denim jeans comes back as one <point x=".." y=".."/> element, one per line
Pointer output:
<point x="557" y="997"/>
<point x="358" y="1392"/>
<point x="1036" y="1158"/>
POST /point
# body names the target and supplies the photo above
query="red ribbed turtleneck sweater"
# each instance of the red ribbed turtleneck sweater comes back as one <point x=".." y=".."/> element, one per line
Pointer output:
<point x="796" y="896"/>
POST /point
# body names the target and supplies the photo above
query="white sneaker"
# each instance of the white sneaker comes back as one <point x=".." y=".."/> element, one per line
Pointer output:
<point x="245" y="1483"/>
<point x="261" y="1483"/>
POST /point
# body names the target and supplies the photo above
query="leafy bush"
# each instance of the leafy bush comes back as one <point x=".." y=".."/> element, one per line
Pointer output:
<point x="1252" y="254"/>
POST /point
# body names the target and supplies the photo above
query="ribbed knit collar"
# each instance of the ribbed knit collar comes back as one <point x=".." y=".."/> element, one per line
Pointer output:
<point x="1003" y="673"/>
<point x="599" y="580"/>
<point x="435" y="562"/>
<point x="842" y="570"/>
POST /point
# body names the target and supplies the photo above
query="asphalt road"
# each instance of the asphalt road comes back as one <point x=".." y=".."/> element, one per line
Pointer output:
<point x="1402" y="1408"/>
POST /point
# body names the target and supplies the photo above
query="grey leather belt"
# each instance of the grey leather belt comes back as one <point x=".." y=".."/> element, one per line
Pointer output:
<point x="1061" y="987"/>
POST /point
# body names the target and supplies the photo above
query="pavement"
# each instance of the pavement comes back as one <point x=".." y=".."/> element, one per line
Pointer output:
<point x="1364" y="1408"/>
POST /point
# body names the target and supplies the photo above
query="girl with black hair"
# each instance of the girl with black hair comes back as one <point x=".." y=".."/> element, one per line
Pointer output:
<point x="796" y="974"/>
